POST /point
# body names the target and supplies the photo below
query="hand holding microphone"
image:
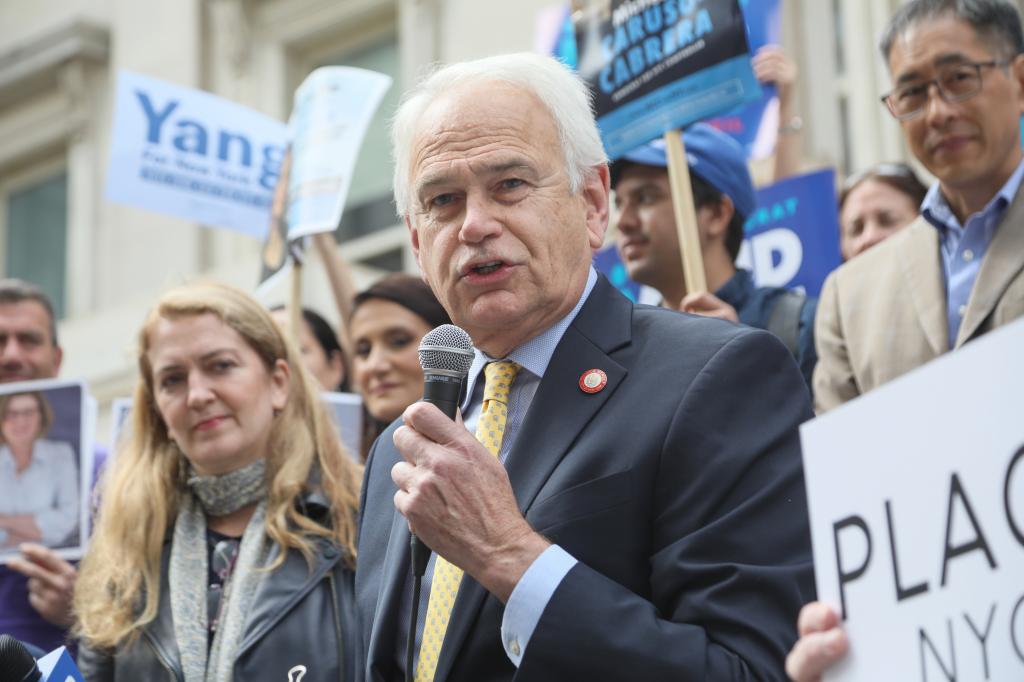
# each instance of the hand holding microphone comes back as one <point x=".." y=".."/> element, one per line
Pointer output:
<point x="457" y="495"/>
<point x="446" y="354"/>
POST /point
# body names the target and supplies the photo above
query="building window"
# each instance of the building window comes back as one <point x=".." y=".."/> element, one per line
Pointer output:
<point x="36" y="236"/>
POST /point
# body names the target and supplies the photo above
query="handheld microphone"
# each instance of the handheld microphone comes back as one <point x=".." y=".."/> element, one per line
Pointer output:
<point x="446" y="354"/>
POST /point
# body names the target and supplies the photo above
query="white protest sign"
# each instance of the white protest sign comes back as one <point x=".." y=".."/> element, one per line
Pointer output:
<point x="190" y="154"/>
<point x="916" y="495"/>
<point x="51" y="423"/>
<point x="333" y="108"/>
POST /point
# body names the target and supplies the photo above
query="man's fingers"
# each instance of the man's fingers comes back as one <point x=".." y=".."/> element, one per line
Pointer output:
<point x="816" y="617"/>
<point x="432" y="423"/>
<point x="47" y="559"/>
<point x="41" y="555"/>
<point x="28" y="569"/>
<point x="815" y="653"/>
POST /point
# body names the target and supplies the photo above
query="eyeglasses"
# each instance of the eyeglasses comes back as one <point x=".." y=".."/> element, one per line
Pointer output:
<point x="11" y="415"/>
<point x="955" y="83"/>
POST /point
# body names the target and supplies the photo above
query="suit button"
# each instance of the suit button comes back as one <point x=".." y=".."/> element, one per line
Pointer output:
<point x="514" y="647"/>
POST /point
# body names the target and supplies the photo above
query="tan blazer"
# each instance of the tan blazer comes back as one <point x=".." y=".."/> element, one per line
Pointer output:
<point x="883" y="313"/>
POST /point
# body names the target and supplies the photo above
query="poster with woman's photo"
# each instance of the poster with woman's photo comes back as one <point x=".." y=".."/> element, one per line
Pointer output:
<point x="46" y="465"/>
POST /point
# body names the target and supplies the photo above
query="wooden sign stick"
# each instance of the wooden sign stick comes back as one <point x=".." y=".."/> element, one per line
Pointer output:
<point x="294" y="306"/>
<point x="685" y="213"/>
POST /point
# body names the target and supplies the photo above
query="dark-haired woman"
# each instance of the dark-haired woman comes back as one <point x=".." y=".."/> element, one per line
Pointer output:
<point x="388" y="321"/>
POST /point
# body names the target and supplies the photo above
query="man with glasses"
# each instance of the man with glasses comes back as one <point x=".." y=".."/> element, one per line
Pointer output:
<point x="957" y="272"/>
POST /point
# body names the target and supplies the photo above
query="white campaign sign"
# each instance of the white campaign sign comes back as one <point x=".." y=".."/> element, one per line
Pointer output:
<point x="916" y="495"/>
<point x="333" y="108"/>
<point x="187" y="153"/>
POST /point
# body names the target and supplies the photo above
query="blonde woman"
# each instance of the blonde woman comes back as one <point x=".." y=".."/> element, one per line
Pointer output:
<point x="224" y="546"/>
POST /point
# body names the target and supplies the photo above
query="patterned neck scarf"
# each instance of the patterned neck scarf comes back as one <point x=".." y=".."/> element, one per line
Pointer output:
<point x="215" y="496"/>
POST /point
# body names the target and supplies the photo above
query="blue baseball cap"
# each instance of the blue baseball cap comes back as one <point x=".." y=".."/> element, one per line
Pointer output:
<point x="714" y="156"/>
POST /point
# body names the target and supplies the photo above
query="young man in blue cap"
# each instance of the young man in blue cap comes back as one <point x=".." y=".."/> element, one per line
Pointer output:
<point x="723" y="196"/>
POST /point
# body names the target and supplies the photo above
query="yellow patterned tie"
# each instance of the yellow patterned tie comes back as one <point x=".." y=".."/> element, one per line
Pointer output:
<point x="490" y="428"/>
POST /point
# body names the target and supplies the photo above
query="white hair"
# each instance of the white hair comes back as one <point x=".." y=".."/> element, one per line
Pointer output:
<point x="562" y="91"/>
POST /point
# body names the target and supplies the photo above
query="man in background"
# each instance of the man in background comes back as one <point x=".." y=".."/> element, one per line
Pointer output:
<point x="36" y="588"/>
<point x="724" y="197"/>
<point x="958" y="271"/>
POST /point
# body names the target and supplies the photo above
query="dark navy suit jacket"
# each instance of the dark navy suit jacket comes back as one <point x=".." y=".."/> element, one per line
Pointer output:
<point x="678" y="487"/>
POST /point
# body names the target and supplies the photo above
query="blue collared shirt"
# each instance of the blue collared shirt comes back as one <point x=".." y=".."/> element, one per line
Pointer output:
<point x="963" y="248"/>
<point x="534" y="590"/>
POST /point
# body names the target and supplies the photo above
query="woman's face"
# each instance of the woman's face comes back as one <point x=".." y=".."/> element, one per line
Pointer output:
<point x="328" y="371"/>
<point x="386" y="366"/>
<point x="872" y="212"/>
<point x="21" y="421"/>
<point x="214" y="393"/>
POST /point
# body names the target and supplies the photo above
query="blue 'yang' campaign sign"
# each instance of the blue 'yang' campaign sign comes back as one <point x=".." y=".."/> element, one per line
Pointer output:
<point x="190" y="154"/>
<point x="792" y="238"/>
<point x="657" y="66"/>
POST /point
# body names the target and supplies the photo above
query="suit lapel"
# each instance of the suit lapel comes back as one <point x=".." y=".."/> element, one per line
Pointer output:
<point x="602" y="325"/>
<point x="1004" y="260"/>
<point x="381" y="650"/>
<point x="920" y="257"/>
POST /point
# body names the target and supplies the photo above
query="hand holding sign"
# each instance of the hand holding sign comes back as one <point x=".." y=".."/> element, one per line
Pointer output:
<point x="822" y="643"/>
<point x="918" y="523"/>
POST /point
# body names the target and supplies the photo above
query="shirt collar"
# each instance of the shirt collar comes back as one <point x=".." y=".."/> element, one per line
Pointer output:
<point x="737" y="289"/>
<point x="535" y="354"/>
<point x="936" y="209"/>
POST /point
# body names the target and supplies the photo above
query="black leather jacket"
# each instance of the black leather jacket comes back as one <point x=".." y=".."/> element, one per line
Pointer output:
<point x="298" y="618"/>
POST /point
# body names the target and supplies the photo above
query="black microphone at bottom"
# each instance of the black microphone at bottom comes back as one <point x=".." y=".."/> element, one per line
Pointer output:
<point x="18" y="665"/>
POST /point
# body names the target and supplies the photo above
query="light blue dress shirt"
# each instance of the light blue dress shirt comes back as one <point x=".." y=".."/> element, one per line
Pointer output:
<point x="534" y="590"/>
<point x="47" y="489"/>
<point x="963" y="248"/>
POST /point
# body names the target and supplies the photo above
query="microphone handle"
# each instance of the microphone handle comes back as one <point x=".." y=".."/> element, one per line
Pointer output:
<point x="444" y="391"/>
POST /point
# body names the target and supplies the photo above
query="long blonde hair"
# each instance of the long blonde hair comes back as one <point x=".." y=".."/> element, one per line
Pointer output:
<point x="118" y="588"/>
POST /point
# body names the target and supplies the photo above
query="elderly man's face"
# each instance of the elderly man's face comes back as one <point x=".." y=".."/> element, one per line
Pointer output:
<point x="969" y="145"/>
<point x="498" y="235"/>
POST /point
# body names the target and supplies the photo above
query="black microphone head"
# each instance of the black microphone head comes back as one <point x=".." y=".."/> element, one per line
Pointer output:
<point x="16" y="663"/>
<point x="446" y="348"/>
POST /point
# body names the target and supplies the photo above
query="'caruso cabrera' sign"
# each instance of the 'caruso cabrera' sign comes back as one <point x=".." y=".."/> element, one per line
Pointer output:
<point x="657" y="65"/>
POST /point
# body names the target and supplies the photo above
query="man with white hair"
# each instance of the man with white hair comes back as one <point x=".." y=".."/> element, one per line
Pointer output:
<point x="632" y="506"/>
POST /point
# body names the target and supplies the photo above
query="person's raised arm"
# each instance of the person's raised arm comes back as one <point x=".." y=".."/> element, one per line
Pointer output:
<point x="339" y="274"/>
<point x="772" y="65"/>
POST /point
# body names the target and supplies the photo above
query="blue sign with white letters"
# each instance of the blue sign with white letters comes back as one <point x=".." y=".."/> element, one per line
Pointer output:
<point x="188" y="153"/>
<point x="764" y="27"/>
<point x="792" y="238"/>
<point x="658" y="66"/>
